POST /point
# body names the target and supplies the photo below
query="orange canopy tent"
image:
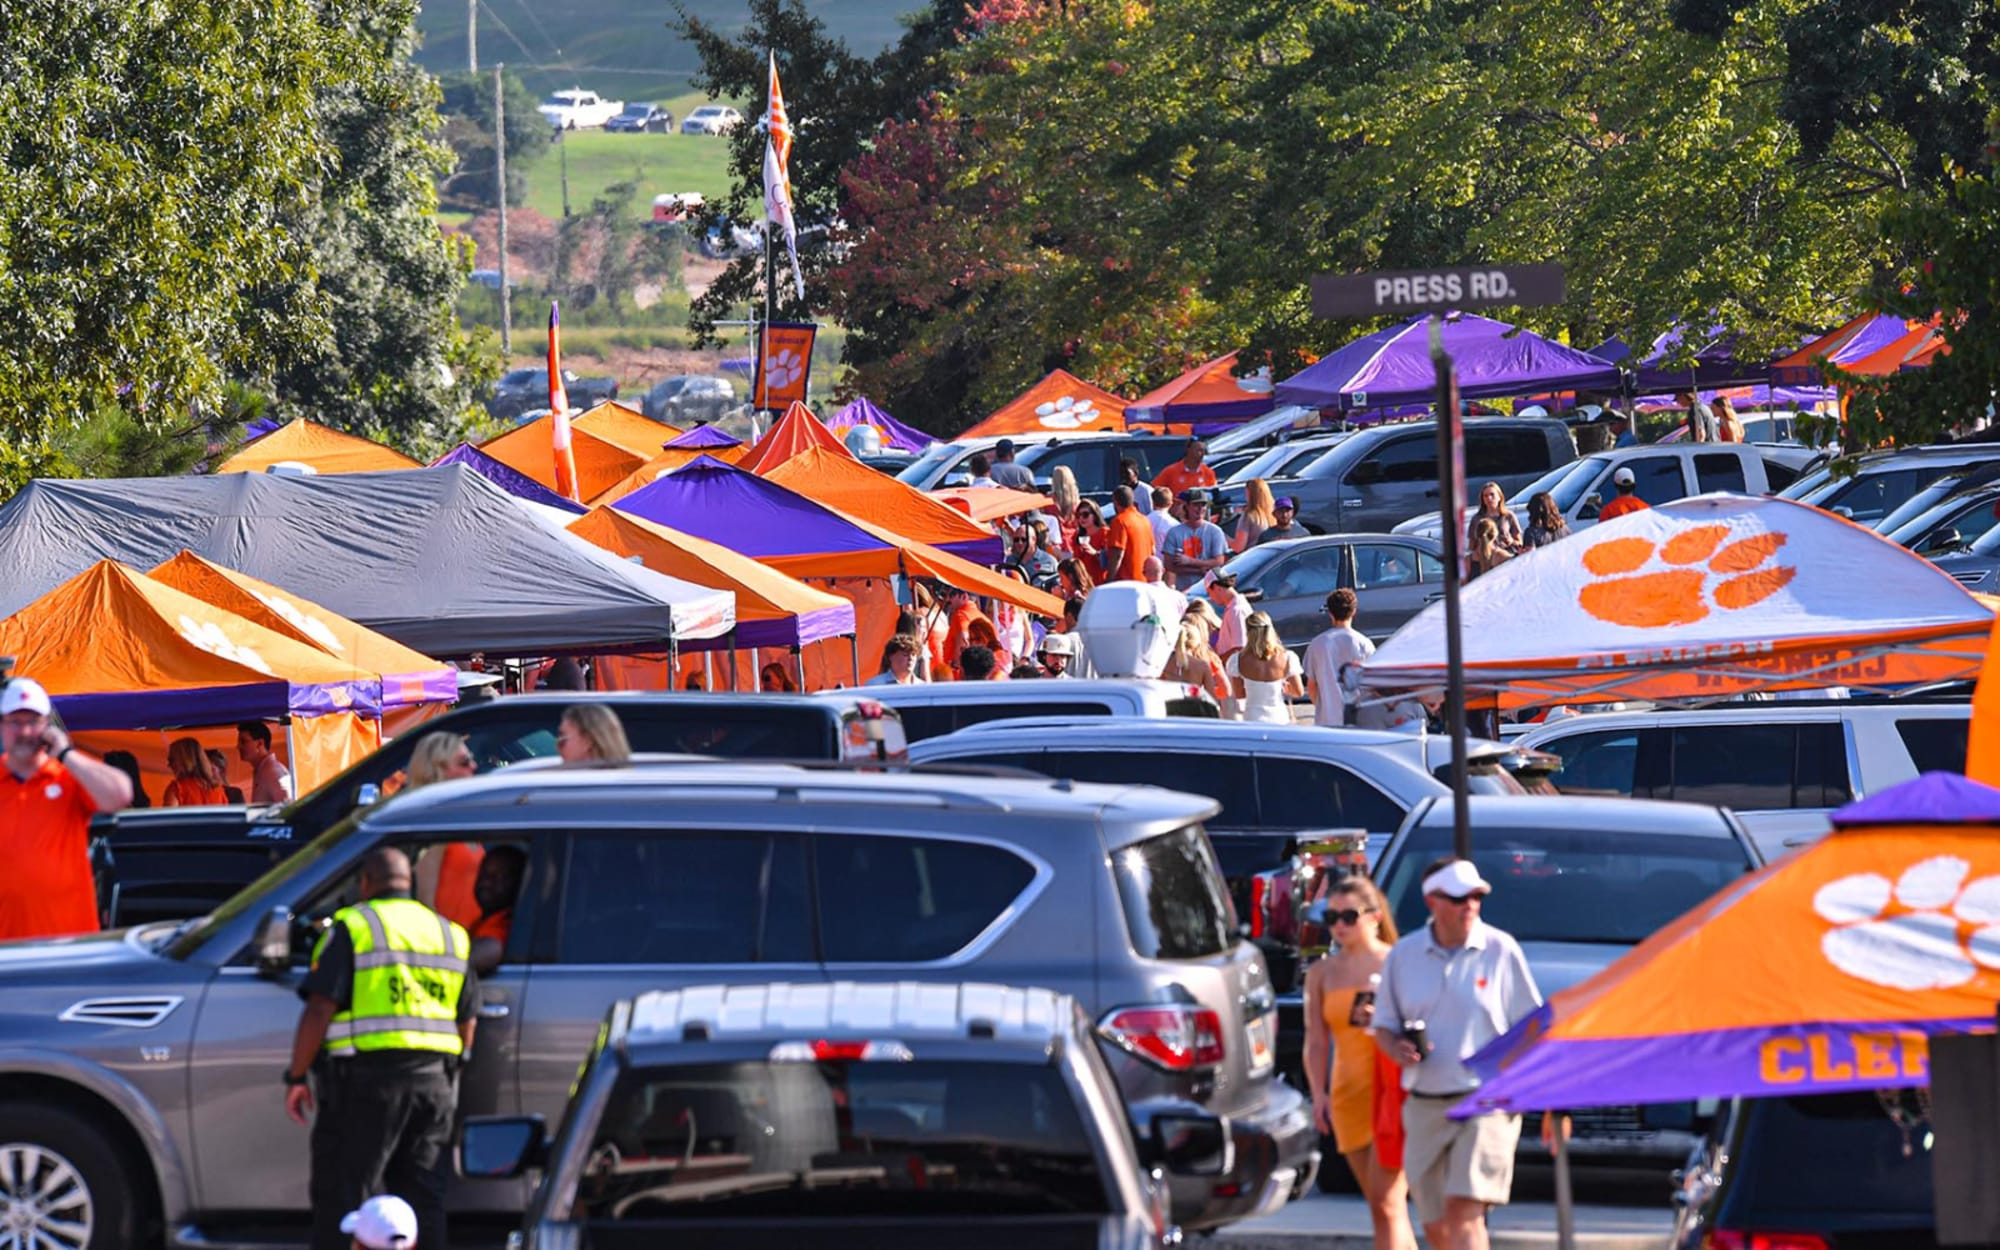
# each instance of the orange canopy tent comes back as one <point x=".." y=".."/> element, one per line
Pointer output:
<point x="666" y="462"/>
<point x="316" y="447"/>
<point x="626" y="426"/>
<point x="600" y="463"/>
<point x="1209" y="393"/>
<point x="1060" y="403"/>
<point x="118" y="651"/>
<point x="846" y="485"/>
<point x="797" y="431"/>
<point x="408" y="677"/>
<point x="988" y="503"/>
<point x="1913" y="350"/>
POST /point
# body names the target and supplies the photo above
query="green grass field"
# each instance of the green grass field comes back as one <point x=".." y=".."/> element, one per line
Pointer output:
<point x="658" y="163"/>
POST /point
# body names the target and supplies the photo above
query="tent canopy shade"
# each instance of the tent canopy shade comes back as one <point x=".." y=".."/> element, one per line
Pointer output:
<point x="1861" y="337"/>
<point x="530" y="451"/>
<point x="1716" y="364"/>
<point x="1060" y="403"/>
<point x="1209" y="396"/>
<point x="511" y="480"/>
<point x="894" y="433"/>
<point x="666" y="462"/>
<point x="987" y="503"/>
<point x="848" y="486"/>
<point x="1699" y="599"/>
<point x="796" y="431"/>
<point x="440" y="559"/>
<point x="626" y="426"/>
<point x="1393" y="367"/>
<point x="707" y="437"/>
<point x="322" y="449"/>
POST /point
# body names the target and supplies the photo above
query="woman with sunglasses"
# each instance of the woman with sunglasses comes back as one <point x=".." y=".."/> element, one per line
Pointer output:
<point x="1086" y="544"/>
<point x="1356" y="1090"/>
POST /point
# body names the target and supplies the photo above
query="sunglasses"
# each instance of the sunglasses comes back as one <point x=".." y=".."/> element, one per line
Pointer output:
<point x="1347" y="915"/>
<point x="1475" y="897"/>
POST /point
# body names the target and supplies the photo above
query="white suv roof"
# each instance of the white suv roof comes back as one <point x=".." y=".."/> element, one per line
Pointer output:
<point x="900" y="1011"/>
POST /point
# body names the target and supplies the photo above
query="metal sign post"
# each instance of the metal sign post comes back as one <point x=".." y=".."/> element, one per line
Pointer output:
<point x="1451" y="504"/>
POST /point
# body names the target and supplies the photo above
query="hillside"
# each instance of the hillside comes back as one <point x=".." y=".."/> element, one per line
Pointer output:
<point x="619" y="47"/>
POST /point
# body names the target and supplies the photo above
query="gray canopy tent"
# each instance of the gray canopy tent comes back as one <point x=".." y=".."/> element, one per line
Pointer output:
<point x="439" y="559"/>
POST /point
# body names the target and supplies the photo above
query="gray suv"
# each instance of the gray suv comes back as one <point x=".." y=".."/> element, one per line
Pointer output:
<point x="1379" y="478"/>
<point x="145" y="1062"/>
<point x="884" y="1114"/>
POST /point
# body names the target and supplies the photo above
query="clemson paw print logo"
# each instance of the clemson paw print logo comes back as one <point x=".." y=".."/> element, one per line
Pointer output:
<point x="1066" y="413"/>
<point x="1930" y="929"/>
<point x="784" y="369"/>
<point x="209" y="637"/>
<point x="1682" y="580"/>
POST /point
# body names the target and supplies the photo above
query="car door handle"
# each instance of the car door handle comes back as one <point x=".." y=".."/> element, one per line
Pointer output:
<point x="1434" y="598"/>
<point x="1430" y="494"/>
<point x="494" y="1011"/>
<point x="1350" y="503"/>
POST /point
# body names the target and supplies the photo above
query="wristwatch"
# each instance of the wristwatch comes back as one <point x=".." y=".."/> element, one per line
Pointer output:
<point x="291" y="1080"/>
<point x="64" y="753"/>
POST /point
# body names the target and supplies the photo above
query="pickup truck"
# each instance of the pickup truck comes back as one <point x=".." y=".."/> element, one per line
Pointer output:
<point x="577" y="109"/>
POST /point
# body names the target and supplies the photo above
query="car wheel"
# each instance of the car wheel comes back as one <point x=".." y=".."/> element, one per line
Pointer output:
<point x="63" y="1182"/>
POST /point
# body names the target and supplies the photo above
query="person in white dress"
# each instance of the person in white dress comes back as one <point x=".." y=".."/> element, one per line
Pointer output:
<point x="1265" y="674"/>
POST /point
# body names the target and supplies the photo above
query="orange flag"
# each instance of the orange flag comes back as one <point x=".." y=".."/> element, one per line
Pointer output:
<point x="559" y="436"/>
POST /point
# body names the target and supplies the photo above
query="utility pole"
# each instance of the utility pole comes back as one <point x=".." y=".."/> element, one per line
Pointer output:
<point x="472" y="35"/>
<point x="500" y="174"/>
<point x="562" y="158"/>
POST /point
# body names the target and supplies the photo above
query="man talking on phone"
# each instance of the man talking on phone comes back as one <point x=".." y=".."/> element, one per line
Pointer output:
<point x="48" y="792"/>
<point x="1447" y="990"/>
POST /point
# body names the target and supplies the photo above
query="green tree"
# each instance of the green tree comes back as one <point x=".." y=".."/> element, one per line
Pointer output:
<point x="467" y="109"/>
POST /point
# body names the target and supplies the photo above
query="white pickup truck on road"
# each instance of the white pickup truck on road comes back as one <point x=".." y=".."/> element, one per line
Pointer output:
<point x="577" y="109"/>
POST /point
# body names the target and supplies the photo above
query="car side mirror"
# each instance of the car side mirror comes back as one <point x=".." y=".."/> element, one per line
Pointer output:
<point x="274" y="943"/>
<point x="1843" y="510"/>
<point x="501" y="1147"/>
<point x="1191" y="1145"/>
<point x="1947" y="540"/>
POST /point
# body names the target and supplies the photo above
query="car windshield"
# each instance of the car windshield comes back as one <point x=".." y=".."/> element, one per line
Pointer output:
<point x="1565" y="483"/>
<point x="1924" y="500"/>
<point x="1283" y="460"/>
<point x="764" y="1140"/>
<point x="1861" y="1165"/>
<point x="708" y="111"/>
<point x="1972" y="515"/>
<point x="1253" y="561"/>
<point x="1574" y="885"/>
<point x="181" y="942"/>
<point x="637" y="110"/>
<point x="521" y="377"/>
<point x="1809" y="485"/>
<point x="934" y="460"/>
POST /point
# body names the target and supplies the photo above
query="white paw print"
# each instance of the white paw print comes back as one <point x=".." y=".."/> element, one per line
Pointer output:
<point x="311" y="626"/>
<point x="1919" y="949"/>
<point x="1066" y="413"/>
<point x="784" y="369"/>
<point x="209" y="637"/>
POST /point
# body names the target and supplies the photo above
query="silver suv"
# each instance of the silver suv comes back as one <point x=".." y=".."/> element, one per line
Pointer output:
<point x="883" y="1114"/>
<point x="146" y="1061"/>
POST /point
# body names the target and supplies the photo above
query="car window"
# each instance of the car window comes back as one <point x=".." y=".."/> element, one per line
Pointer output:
<point x="836" y="1140"/>
<point x="1307" y="794"/>
<point x="1935" y="744"/>
<point x="1228" y="779"/>
<point x="1429" y="567"/>
<point x="1779" y="475"/>
<point x="1719" y="471"/>
<point x="1574" y="885"/>
<point x="1597" y="763"/>
<point x="1378" y="565"/>
<point x="910" y="900"/>
<point x="1871" y="496"/>
<point x="684" y="898"/>
<point x="752" y="730"/>
<point x="1095" y="471"/>
<point x="926" y="720"/>
<point x="1505" y="453"/>
<point x="1314" y="572"/>
<point x="1016" y="709"/>
<point x="1753" y="767"/>
<point x="1172" y="892"/>
<point x="1659" y="479"/>
<point x="1411" y="459"/>
<point x="1861" y="1163"/>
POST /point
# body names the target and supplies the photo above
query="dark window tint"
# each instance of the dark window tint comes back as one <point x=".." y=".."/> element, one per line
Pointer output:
<point x="1754" y="767"/>
<point x="1659" y="479"/>
<point x="1096" y="473"/>
<point x="1872" y="496"/>
<point x="836" y="1140"/>
<point x="1411" y="459"/>
<point x="923" y="720"/>
<point x="1597" y="763"/>
<point x="1858" y="1167"/>
<point x="1935" y="745"/>
<point x="1718" y="471"/>
<point x="1016" y="709"/>
<point x="666" y="898"/>
<point x="1228" y="779"/>
<point x="1031" y="761"/>
<point x="1780" y="476"/>
<point x="1505" y="453"/>
<point x="1575" y="885"/>
<point x="1389" y="564"/>
<point x="1175" y="904"/>
<point x="753" y="730"/>
<point x="1312" y="573"/>
<point x="1305" y="794"/>
<point x="1822" y="779"/>
<point x="910" y="900"/>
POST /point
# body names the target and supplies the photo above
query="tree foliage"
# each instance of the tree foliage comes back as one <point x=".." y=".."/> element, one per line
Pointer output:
<point x="467" y="109"/>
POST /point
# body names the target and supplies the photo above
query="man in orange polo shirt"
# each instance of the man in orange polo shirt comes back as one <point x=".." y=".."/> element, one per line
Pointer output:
<point x="48" y="792"/>
<point x="1128" y="539"/>
<point x="1188" y="473"/>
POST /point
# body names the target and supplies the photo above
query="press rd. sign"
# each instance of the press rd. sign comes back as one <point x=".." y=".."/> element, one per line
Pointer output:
<point x="1436" y="290"/>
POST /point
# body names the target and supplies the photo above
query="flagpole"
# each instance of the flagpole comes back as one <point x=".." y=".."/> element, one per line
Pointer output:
<point x="770" y="275"/>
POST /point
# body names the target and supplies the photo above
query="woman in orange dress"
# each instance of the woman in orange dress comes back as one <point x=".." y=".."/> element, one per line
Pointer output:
<point x="195" y="782"/>
<point x="1356" y="1090"/>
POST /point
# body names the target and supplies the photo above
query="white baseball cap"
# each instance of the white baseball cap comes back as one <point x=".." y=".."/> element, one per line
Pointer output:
<point x="384" y="1222"/>
<point x="24" y="695"/>
<point x="1624" y="477"/>
<point x="1456" y="880"/>
<point x="1057" y="644"/>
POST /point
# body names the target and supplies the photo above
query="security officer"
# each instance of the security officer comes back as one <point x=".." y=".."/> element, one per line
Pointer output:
<point x="387" y="1023"/>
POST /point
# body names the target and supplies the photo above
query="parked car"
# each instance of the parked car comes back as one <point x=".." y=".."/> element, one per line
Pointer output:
<point x="1094" y="458"/>
<point x="712" y="119"/>
<point x="1811" y="1172"/>
<point x="1781" y="766"/>
<point x="1948" y="527"/>
<point x="645" y="877"/>
<point x="176" y="862"/>
<point x="933" y="709"/>
<point x="1393" y="576"/>
<point x="1288" y="459"/>
<point x="884" y="1114"/>
<point x="520" y="391"/>
<point x="1578" y="882"/>
<point x="1870" y="488"/>
<point x="943" y="464"/>
<point x="690" y="399"/>
<point x="578" y="109"/>
<point x="1661" y="475"/>
<point x="639" y="119"/>
<point x="1377" y="478"/>
<point x="678" y="208"/>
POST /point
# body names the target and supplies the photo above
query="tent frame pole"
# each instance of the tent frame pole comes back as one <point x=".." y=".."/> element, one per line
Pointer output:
<point x="854" y="653"/>
<point x="291" y="757"/>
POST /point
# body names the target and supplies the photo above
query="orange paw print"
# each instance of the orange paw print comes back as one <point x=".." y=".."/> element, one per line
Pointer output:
<point x="1682" y="592"/>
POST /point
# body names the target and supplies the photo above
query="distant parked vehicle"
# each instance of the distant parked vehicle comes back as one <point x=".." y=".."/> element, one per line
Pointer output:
<point x="677" y="207"/>
<point x="689" y="399"/>
<point x="1393" y="577"/>
<point x="522" y="390"/>
<point x="642" y="119"/>
<point x="578" y="109"/>
<point x="1377" y="478"/>
<point x="712" y="119"/>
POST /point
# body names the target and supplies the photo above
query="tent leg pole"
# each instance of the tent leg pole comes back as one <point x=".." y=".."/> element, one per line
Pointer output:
<point x="799" y="667"/>
<point x="1565" y="1194"/>
<point x="708" y="670"/>
<point x="854" y="652"/>
<point x="1451" y="506"/>
<point x="732" y="669"/>
<point x="291" y="758"/>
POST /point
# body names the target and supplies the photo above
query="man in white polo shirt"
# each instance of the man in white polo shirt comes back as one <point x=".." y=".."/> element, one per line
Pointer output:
<point x="1447" y="990"/>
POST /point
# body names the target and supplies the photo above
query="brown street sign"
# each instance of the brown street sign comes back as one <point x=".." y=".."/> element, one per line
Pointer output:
<point x="1436" y="290"/>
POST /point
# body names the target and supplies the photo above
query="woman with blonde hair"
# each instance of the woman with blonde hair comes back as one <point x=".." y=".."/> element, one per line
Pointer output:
<point x="1488" y="551"/>
<point x="439" y="757"/>
<point x="1063" y="489"/>
<point x="1191" y="663"/>
<point x="1264" y="675"/>
<point x="444" y="880"/>
<point x="591" y="732"/>
<point x="195" y="783"/>
<point x="1357" y="1095"/>
<point x="1259" y="514"/>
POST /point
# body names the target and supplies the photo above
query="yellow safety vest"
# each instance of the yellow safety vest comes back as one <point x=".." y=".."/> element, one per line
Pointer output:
<point x="409" y="969"/>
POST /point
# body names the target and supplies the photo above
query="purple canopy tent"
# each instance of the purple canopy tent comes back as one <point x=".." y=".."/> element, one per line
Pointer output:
<point x="894" y="433"/>
<point x="1715" y="365"/>
<point x="1857" y="340"/>
<point x="1392" y="367"/>
<point x="513" y="481"/>
<point x="705" y="436"/>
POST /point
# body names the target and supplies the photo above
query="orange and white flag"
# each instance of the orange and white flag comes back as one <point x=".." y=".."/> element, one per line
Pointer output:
<point x="559" y="434"/>
<point x="778" y="172"/>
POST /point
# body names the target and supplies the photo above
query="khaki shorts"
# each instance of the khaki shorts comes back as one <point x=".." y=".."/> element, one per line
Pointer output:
<point x="1447" y="1158"/>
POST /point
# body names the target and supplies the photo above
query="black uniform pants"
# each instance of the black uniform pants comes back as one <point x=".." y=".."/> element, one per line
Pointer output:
<point x="382" y="1128"/>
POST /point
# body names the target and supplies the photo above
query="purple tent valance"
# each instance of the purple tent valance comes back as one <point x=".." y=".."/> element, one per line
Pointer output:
<point x="817" y="625"/>
<point x="1393" y="367"/>
<point x="216" y="705"/>
<point x="705" y="436"/>
<point x="511" y="480"/>
<point x="894" y="433"/>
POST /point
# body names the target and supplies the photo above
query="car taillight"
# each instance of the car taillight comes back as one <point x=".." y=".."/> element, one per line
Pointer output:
<point x="1731" y="1239"/>
<point x="1258" y="888"/>
<point x="1179" y="1039"/>
<point x="821" y="1051"/>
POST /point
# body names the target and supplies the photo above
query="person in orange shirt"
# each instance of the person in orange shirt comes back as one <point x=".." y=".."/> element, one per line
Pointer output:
<point x="48" y="792"/>
<point x="195" y="783"/>
<point x="1128" y="540"/>
<point x="497" y="887"/>
<point x="1626" y="501"/>
<point x="1188" y="472"/>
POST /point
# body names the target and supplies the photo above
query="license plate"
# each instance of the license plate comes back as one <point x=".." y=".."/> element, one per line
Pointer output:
<point x="1261" y="1060"/>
